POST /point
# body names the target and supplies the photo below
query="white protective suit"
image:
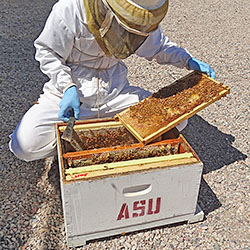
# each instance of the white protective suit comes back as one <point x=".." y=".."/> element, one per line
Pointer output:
<point x="69" y="55"/>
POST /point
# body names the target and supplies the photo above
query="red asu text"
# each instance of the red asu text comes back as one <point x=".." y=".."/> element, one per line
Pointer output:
<point x="140" y="208"/>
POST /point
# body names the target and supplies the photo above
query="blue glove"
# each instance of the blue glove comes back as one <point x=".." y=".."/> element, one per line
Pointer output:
<point x="195" y="64"/>
<point x="70" y="100"/>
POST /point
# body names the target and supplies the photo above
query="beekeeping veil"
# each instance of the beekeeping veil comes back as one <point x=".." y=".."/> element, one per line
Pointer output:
<point x="121" y="26"/>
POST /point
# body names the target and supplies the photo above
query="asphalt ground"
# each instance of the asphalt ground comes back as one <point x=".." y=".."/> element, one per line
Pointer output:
<point x="214" y="31"/>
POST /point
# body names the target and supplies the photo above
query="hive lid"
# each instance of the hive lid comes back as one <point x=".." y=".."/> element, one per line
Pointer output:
<point x="171" y="105"/>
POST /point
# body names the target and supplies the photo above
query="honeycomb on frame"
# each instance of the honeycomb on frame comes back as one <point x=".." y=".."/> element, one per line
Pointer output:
<point x="171" y="105"/>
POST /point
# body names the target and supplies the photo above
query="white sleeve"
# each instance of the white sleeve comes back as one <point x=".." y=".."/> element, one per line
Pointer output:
<point x="157" y="46"/>
<point x="53" y="47"/>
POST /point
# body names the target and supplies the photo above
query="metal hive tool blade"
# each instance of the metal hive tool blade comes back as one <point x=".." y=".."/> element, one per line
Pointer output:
<point x="67" y="134"/>
<point x="71" y="136"/>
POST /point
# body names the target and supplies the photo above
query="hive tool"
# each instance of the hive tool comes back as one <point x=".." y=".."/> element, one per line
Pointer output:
<point x="70" y="134"/>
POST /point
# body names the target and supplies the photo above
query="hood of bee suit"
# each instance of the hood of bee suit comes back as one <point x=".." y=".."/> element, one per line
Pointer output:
<point x="143" y="15"/>
<point x="121" y="26"/>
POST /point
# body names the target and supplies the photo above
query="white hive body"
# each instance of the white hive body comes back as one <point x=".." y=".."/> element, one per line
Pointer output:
<point x="118" y="197"/>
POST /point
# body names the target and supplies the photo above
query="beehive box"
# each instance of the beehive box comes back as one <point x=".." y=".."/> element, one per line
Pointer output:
<point x="105" y="192"/>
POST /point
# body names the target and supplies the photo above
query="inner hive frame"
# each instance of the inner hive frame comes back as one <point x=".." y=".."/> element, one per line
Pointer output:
<point x="171" y="105"/>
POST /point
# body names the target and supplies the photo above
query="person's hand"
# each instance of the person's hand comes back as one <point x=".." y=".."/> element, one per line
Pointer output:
<point x="70" y="100"/>
<point x="195" y="64"/>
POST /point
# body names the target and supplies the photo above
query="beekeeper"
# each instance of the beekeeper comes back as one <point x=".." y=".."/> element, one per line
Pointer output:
<point x="81" y="49"/>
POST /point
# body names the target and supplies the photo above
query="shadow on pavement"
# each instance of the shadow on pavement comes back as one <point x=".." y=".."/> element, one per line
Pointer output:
<point x="213" y="147"/>
<point x="215" y="150"/>
<point x="207" y="198"/>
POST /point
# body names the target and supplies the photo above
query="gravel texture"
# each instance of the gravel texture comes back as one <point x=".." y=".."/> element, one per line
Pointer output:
<point x="214" y="31"/>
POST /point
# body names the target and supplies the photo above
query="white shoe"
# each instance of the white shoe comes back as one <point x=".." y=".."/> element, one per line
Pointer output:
<point x="182" y="125"/>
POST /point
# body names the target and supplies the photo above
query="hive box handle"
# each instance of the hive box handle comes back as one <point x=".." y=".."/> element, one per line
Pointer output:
<point x="137" y="190"/>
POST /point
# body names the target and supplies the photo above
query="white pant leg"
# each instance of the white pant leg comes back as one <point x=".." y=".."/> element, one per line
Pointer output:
<point x="35" y="136"/>
<point x="128" y="97"/>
